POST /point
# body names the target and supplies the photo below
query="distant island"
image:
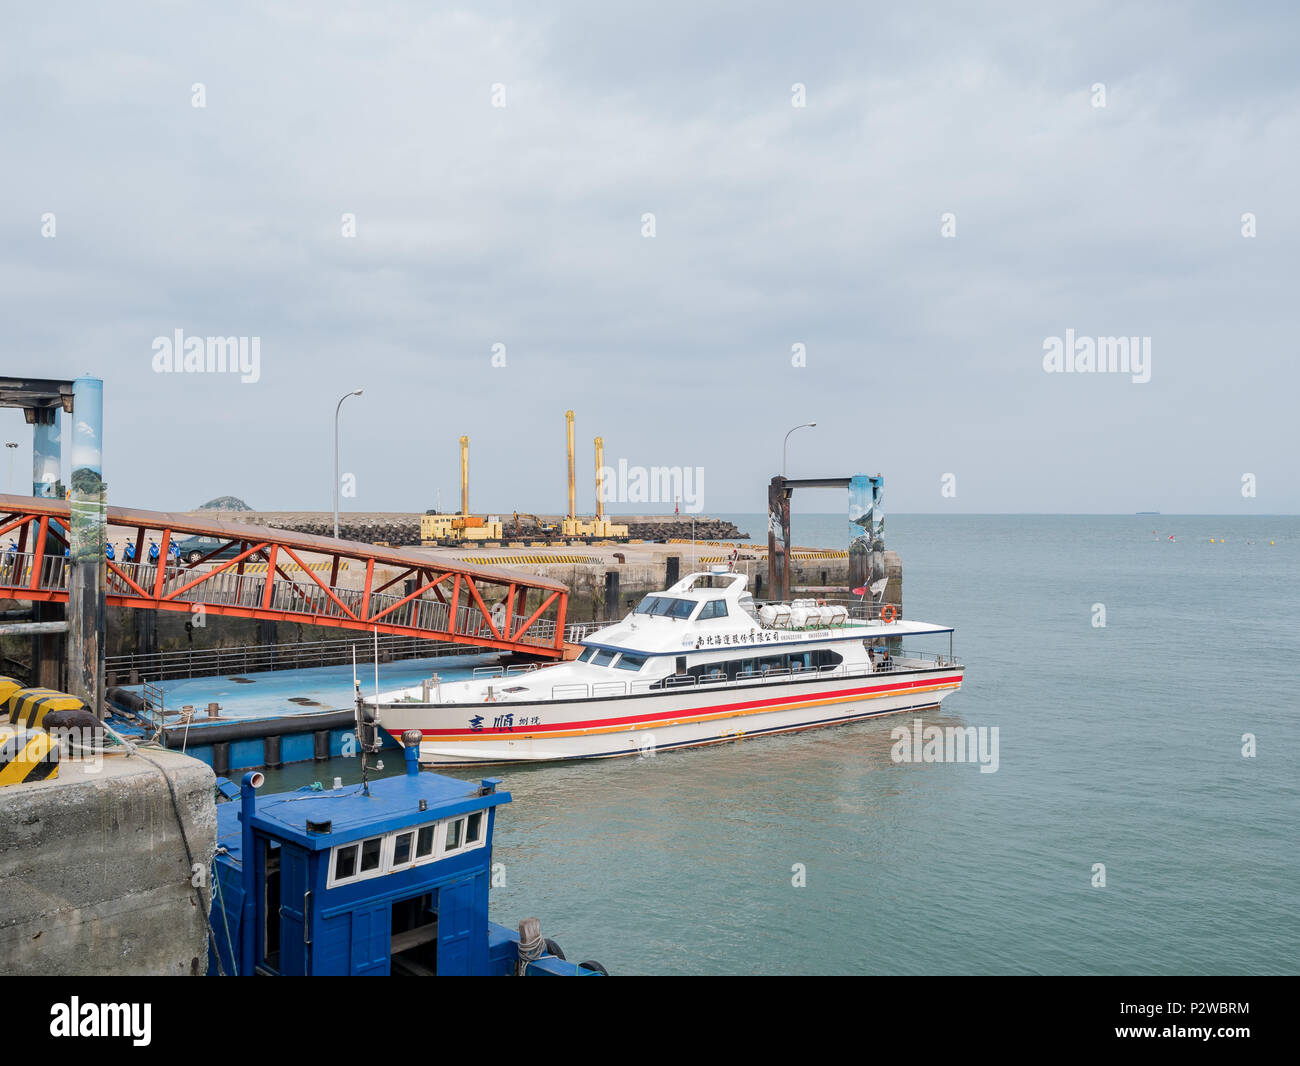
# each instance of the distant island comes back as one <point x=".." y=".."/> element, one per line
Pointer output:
<point x="225" y="503"/>
<point x="1140" y="513"/>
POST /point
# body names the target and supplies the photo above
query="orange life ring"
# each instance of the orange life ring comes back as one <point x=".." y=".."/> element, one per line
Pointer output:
<point x="889" y="613"/>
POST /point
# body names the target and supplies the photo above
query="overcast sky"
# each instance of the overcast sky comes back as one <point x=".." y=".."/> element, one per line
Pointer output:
<point x="775" y="225"/>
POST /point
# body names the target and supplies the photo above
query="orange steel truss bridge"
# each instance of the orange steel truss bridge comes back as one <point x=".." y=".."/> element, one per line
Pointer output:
<point x="282" y="576"/>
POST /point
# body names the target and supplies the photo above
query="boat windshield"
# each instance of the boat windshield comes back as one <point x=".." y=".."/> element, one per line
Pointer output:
<point x="666" y="607"/>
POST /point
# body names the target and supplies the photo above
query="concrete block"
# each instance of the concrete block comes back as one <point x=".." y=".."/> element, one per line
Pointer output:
<point x="94" y="879"/>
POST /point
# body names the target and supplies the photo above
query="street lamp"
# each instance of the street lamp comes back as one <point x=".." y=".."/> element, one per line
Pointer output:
<point x="786" y="444"/>
<point x="11" y="445"/>
<point x="336" y="458"/>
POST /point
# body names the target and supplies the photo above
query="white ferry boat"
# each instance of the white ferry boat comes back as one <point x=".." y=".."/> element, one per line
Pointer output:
<point x="699" y="663"/>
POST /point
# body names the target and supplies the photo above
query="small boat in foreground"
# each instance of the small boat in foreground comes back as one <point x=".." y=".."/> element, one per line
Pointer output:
<point x="386" y="877"/>
<point x="699" y="663"/>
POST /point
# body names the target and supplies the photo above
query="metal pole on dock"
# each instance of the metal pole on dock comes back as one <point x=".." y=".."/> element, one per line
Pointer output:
<point x="358" y="392"/>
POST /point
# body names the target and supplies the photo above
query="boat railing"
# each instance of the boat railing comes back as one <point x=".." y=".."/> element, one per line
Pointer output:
<point x="486" y="673"/>
<point x="608" y="688"/>
<point x="575" y="632"/>
<point x="859" y="609"/>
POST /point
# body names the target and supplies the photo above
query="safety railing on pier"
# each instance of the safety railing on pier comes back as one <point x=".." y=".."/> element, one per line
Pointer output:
<point x="130" y="669"/>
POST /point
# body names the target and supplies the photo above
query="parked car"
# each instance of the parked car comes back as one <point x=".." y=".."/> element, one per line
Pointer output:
<point x="193" y="549"/>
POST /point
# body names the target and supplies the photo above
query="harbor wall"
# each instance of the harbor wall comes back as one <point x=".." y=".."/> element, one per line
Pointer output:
<point x="399" y="528"/>
<point x="94" y="877"/>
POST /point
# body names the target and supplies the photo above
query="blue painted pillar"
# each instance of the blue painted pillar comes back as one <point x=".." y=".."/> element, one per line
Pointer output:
<point x="45" y="452"/>
<point x="88" y="529"/>
<point x="248" y="866"/>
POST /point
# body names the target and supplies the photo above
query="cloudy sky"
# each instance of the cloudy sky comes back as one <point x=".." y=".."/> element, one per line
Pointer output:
<point x="774" y="225"/>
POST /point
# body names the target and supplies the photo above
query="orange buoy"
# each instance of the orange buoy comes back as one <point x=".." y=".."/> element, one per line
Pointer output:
<point x="889" y="613"/>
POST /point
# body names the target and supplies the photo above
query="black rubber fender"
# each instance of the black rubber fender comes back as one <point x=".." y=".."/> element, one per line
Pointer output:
<point x="552" y="948"/>
<point x="595" y="967"/>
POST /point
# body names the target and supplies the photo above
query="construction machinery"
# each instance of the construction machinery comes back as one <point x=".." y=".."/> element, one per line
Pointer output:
<point x="600" y="528"/>
<point x="452" y="529"/>
<point x="459" y="528"/>
<point x="463" y="527"/>
<point x="533" y="527"/>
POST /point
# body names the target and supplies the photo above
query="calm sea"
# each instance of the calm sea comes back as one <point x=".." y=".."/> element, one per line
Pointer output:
<point x="1119" y="745"/>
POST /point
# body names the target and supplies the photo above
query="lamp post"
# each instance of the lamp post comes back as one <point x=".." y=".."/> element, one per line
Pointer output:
<point x="11" y="445"/>
<point x="336" y="458"/>
<point x="785" y="446"/>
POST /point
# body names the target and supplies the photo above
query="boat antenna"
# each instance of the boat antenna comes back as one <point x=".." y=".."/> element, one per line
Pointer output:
<point x="367" y="718"/>
<point x="359" y="715"/>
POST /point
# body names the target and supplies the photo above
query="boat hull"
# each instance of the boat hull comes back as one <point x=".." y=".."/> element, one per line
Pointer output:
<point x="640" y="725"/>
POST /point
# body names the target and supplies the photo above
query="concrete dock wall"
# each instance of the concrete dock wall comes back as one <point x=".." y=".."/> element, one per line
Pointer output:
<point x="94" y="878"/>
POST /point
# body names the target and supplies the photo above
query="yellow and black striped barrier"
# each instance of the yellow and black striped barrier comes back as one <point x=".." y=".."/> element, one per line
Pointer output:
<point x="29" y="706"/>
<point x="288" y="568"/>
<point x="8" y="686"/>
<point x="27" y="755"/>
<point x="528" y="560"/>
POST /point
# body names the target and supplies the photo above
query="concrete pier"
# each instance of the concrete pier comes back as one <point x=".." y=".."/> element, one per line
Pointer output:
<point x="94" y="876"/>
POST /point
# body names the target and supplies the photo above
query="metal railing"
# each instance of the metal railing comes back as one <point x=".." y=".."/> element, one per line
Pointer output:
<point x="248" y="658"/>
<point x="859" y="609"/>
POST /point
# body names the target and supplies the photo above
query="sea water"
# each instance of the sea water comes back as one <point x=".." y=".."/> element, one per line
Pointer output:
<point x="1142" y="818"/>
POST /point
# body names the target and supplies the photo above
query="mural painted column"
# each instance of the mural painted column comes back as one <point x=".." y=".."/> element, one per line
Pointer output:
<point x="87" y="535"/>
<point x="867" y="534"/>
<point x="45" y="452"/>
<point x="778" y="539"/>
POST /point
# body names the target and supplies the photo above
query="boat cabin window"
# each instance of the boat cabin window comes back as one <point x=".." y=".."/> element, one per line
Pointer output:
<point x="714" y="609"/>
<point x="630" y="662"/>
<point x="402" y="849"/>
<point x="795" y="662"/>
<point x="603" y="657"/>
<point x="355" y="862"/>
<point x="474" y="828"/>
<point x="666" y="607"/>
<point x="586" y="656"/>
<point x="405" y="848"/>
<point x="345" y="862"/>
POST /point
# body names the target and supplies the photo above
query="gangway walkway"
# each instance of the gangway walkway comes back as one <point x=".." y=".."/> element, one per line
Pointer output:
<point x="282" y="576"/>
